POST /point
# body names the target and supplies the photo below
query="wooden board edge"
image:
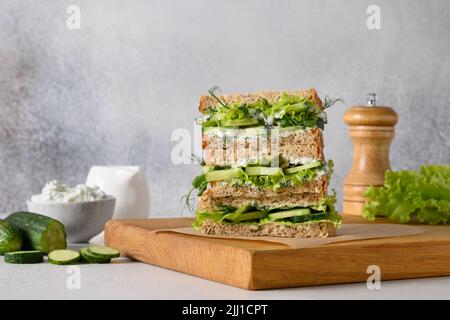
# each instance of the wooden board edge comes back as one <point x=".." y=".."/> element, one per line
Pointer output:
<point x="181" y="253"/>
<point x="282" y="269"/>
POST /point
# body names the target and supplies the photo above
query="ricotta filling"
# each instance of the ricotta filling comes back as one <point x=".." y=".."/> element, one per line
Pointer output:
<point x="55" y="192"/>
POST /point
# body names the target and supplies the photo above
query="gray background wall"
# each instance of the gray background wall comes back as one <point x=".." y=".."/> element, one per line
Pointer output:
<point x="112" y="92"/>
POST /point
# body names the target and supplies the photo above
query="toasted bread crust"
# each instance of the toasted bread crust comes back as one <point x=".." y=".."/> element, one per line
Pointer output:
<point x="312" y="230"/>
<point x="270" y="96"/>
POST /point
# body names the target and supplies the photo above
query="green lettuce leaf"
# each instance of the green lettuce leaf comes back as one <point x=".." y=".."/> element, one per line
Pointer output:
<point x="274" y="182"/>
<point x="411" y="196"/>
<point x="288" y="111"/>
<point x="202" y="216"/>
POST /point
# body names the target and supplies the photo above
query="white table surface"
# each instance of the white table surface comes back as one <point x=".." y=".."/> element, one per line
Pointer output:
<point x="125" y="279"/>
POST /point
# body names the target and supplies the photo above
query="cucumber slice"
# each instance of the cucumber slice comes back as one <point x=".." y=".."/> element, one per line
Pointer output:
<point x="261" y="162"/>
<point x="63" y="257"/>
<point x="286" y="129"/>
<point x="254" y="215"/>
<point x="252" y="132"/>
<point x="87" y="256"/>
<point x="235" y="133"/>
<point x="296" y="108"/>
<point x="207" y="169"/>
<point x="234" y="215"/>
<point x="263" y="171"/>
<point x="104" y="252"/>
<point x="240" y="122"/>
<point x="219" y="175"/>
<point x="208" y="123"/>
<point x="313" y="164"/>
<point x="24" y="257"/>
<point x="309" y="217"/>
<point x="289" y="214"/>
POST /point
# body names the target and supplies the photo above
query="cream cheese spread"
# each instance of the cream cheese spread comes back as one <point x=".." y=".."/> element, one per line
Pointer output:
<point x="58" y="192"/>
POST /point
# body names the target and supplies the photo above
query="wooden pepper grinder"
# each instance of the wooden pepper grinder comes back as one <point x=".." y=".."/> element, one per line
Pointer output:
<point x="371" y="129"/>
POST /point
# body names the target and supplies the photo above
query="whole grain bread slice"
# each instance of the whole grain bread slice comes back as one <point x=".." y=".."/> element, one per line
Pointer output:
<point x="309" y="230"/>
<point x="271" y="96"/>
<point x="207" y="202"/>
<point x="219" y="195"/>
<point x="223" y="189"/>
<point x="239" y="148"/>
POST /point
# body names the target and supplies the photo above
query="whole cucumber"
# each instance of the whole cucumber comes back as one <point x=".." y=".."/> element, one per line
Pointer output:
<point x="39" y="232"/>
<point x="10" y="238"/>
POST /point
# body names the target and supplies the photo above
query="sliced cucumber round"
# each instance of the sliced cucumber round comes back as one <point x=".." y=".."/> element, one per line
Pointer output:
<point x="289" y="213"/>
<point x="252" y="132"/>
<point x="309" y="217"/>
<point x="313" y="164"/>
<point x="254" y="215"/>
<point x="219" y="175"/>
<point x="240" y="122"/>
<point x="264" y="161"/>
<point x="232" y="216"/>
<point x="87" y="256"/>
<point x="24" y="257"/>
<point x="63" y="257"/>
<point x="293" y="128"/>
<point x="263" y="171"/>
<point x="296" y="108"/>
<point x="104" y="252"/>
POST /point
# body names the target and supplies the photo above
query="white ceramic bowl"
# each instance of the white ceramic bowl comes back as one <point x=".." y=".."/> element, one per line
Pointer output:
<point x="82" y="220"/>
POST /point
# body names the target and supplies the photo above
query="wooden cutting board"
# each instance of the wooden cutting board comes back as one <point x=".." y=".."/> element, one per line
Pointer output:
<point x="262" y="265"/>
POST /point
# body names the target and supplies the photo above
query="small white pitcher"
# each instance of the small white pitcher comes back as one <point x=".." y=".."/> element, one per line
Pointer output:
<point x="128" y="185"/>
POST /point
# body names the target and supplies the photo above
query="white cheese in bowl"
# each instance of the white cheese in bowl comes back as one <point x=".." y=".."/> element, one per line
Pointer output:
<point x="60" y="193"/>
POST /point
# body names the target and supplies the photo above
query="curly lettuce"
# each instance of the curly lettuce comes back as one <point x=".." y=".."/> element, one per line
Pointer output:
<point x="288" y="111"/>
<point x="412" y="196"/>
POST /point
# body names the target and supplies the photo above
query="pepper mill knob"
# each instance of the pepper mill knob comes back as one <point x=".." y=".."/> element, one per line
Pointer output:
<point x="371" y="129"/>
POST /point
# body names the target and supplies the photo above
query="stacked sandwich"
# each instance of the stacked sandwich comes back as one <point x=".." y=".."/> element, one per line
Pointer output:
<point x="264" y="172"/>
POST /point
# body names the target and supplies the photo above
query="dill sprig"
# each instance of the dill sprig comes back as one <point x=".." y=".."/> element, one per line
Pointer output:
<point x="328" y="101"/>
<point x="212" y="91"/>
<point x="198" y="159"/>
<point x="187" y="202"/>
